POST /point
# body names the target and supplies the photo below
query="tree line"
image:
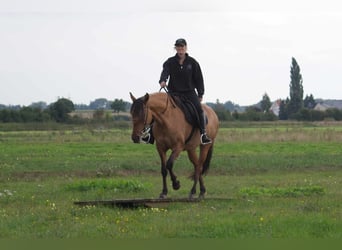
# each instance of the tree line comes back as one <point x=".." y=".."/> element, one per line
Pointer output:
<point x="294" y="107"/>
<point x="58" y="111"/>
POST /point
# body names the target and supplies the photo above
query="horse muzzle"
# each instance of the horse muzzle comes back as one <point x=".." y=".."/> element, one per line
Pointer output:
<point x="136" y="138"/>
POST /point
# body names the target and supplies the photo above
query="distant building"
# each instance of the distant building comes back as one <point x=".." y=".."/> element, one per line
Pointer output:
<point x="275" y="107"/>
<point x="321" y="107"/>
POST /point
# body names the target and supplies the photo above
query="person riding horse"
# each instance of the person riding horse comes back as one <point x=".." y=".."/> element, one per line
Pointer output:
<point x="185" y="79"/>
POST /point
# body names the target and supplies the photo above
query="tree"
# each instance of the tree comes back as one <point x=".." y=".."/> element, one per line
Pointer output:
<point x="29" y="114"/>
<point x="309" y="102"/>
<point x="236" y="115"/>
<point x="222" y="113"/>
<point x="265" y="103"/>
<point x="118" y="105"/>
<point x="283" y="109"/>
<point x="296" y="89"/>
<point x="252" y="113"/>
<point x="60" y="109"/>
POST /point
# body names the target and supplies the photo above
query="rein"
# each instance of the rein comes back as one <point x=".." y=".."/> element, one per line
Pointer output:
<point x="168" y="97"/>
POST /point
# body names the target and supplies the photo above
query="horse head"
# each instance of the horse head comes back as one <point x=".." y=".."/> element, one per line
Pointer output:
<point x="140" y="116"/>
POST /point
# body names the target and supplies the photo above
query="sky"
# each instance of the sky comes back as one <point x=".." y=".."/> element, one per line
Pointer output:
<point x="89" y="49"/>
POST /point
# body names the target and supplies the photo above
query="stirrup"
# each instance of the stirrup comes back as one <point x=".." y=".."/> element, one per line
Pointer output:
<point x="205" y="139"/>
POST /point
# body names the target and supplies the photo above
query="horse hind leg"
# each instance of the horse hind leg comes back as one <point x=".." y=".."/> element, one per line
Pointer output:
<point x="205" y="158"/>
<point x="201" y="166"/>
<point x="196" y="176"/>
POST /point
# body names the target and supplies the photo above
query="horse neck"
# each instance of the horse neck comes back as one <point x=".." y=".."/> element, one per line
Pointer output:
<point x="159" y="104"/>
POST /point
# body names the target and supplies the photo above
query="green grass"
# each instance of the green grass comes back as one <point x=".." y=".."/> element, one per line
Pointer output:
<point x="45" y="210"/>
<point x="286" y="192"/>
<point x="264" y="182"/>
<point x="107" y="184"/>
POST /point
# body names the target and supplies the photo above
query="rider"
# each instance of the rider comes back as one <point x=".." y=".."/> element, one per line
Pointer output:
<point x="185" y="78"/>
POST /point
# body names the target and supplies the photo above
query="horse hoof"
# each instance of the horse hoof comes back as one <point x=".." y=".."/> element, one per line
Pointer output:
<point x="176" y="185"/>
<point x="162" y="196"/>
<point x="201" y="196"/>
<point x="192" y="196"/>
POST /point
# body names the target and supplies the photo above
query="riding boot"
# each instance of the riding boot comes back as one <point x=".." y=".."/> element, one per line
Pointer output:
<point x="204" y="137"/>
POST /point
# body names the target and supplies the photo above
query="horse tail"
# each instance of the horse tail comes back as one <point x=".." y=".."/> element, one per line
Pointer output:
<point x="206" y="163"/>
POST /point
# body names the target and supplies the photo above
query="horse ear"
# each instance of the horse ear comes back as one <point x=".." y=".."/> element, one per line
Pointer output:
<point x="132" y="96"/>
<point x="146" y="97"/>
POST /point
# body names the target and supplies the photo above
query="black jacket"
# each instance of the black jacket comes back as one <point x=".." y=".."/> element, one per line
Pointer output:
<point x="183" y="78"/>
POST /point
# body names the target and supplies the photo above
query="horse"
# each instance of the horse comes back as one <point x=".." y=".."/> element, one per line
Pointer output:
<point x="172" y="132"/>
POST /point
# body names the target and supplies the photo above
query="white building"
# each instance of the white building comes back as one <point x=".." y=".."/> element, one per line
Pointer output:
<point x="275" y="107"/>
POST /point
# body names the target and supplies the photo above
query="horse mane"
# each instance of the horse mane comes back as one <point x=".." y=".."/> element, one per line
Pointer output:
<point x="137" y="108"/>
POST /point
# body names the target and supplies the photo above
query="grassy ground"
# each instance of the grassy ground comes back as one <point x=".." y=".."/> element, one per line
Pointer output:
<point x="264" y="182"/>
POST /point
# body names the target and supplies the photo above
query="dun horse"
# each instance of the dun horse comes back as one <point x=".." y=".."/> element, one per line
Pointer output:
<point x="172" y="132"/>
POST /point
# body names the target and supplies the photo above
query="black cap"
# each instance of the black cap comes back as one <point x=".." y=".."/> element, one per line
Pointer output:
<point x="180" y="42"/>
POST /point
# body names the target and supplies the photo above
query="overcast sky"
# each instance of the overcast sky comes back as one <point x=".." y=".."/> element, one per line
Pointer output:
<point x="84" y="50"/>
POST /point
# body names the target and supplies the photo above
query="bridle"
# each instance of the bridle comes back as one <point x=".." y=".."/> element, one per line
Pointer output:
<point x="146" y="132"/>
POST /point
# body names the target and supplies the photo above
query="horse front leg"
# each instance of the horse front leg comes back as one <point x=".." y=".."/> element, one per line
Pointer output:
<point x="203" y="190"/>
<point x="162" y="155"/>
<point x="169" y="167"/>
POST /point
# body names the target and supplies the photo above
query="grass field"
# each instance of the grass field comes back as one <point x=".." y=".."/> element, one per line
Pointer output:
<point x="266" y="181"/>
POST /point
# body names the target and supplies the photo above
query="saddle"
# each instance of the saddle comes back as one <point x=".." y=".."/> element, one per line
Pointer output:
<point x="189" y="110"/>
